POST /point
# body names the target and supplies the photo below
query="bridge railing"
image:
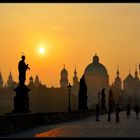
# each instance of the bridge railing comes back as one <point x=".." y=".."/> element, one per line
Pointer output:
<point x="17" y="122"/>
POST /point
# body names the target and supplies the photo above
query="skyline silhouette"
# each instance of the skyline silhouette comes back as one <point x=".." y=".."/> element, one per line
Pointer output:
<point x="55" y="34"/>
<point x="92" y="89"/>
<point x="85" y="64"/>
<point x="75" y="71"/>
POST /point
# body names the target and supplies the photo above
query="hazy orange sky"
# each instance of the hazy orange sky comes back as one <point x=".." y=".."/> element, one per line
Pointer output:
<point x="71" y="34"/>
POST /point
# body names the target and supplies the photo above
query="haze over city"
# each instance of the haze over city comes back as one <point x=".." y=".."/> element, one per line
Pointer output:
<point x="51" y="35"/>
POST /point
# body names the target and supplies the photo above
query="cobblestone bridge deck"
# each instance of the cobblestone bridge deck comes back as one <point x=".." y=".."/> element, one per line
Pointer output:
<point x="87" y="127"/>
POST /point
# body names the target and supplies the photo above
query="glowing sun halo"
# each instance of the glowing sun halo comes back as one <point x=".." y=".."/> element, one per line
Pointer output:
<point x="41" y="50"/>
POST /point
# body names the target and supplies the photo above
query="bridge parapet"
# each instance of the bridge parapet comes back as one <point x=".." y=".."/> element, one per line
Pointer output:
<point x="10" y="123"/>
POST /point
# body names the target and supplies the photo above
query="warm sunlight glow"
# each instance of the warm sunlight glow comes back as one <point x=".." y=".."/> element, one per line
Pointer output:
<point x="41" y="50"/>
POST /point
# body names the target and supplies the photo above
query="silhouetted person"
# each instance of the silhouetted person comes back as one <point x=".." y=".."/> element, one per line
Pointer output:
<point x="111" y="101"/>
<point x="103" y="99"/>
<point x="136" y="110"/>
<point x="97" y="112"/>
<point x="109" y="113"/>
<point x="22" y="67"/>
<point x="118" y="109"/>
<point x="128" y="110"/>
<point x="111" y="104"/>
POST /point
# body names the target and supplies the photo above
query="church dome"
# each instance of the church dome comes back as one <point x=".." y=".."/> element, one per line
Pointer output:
<point x="96" y="68"/>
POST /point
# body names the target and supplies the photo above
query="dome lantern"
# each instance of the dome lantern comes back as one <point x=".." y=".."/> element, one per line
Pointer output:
<point x="95" y="59"/>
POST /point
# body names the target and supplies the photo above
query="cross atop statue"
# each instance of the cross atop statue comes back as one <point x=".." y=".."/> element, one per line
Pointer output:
<point x="22" y="68"/>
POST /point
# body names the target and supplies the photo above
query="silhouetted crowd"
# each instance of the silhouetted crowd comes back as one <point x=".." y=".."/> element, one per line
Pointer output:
<point x="117" y="109"/>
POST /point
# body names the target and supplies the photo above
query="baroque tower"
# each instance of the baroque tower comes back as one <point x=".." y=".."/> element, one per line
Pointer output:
<point x="64" y="78"/>
<point x="75" y="78"/>
<point x="10" y="80"/>
<point x="37" y="82"/>
<point x="117" y="87"/>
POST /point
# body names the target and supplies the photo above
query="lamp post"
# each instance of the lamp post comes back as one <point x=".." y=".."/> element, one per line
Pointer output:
<point x="139" y="68"/>
<point x="99" y="99"/>
<point x="69" y="90"/>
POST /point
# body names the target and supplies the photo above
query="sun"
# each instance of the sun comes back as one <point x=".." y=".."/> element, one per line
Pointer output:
<point x="41" y="50"/>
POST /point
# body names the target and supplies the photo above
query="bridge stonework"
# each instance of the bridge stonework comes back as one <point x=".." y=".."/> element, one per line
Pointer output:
<point x="10" y="123"/>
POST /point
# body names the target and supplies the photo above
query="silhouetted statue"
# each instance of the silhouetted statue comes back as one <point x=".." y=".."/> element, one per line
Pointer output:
<point x="136" y="110"/>
<point x="97" y="112"/>
<point x="21" y="100"/>
<point x="103" y="99"/>
<point x="22" y="67"/>
<point x="128" y="107"/>
<point x="82" y="95"/>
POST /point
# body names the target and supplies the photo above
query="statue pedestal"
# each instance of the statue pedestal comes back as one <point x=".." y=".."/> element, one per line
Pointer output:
<point x="21" y="100"/>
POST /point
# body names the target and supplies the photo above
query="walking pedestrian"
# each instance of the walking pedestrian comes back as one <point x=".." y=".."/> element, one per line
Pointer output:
<point x="97" y="112"/>
<point x="128" y="107"/>
<point x="136" y="110"/>
<point x="118" y="109"/>
<point x="109" y="113"/>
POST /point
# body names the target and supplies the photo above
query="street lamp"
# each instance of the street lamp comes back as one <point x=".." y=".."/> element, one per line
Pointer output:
<point x="99" y="98"/>
<point x="69" y="90"/>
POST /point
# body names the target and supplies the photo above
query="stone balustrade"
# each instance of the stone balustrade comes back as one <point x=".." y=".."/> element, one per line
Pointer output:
<point x="17" y="122"/>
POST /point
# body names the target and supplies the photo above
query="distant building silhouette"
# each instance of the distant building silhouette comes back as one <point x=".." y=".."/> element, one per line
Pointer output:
<point x="37" y="82"/>
<point x="82" y="95"/>
<point x="64" y="78"/>
<point x="97" y="78"/>
<point x="132" y="89"/>
<point x="44" y="98"/>
<point x="75" y="86"/>
<point x="129" y="80"/>
<point x="117" y="88"/>
<point x="130" y="93"/>
<point x="10" y="82"/>
<point x="31" y="80"/>
<point x="75" y="78"/>
<point x="31" y="84"/>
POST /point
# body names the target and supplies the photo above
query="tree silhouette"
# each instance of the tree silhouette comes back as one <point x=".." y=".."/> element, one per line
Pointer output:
<point x="82" y="95"/>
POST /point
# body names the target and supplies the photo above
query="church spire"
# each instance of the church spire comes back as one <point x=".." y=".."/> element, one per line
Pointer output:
<point x="75" y="72"/>
<point x="75" y="78"/>
<point x="129" y="72"/>
<point x="10" y="80"/>
<point x="118" y="70"/>
<point x="117" y="83"/>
